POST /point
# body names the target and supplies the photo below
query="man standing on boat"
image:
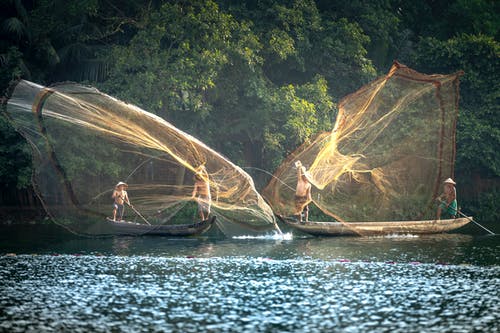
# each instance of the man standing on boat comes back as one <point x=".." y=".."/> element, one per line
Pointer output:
<point x="448" y="201"/>
<point x="302" y="192"/>
<point x="202" y="189"/>
<point x="120" y="195"/>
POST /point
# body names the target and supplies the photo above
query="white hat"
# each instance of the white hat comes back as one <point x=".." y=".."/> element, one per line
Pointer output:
<point x="449" y="181"/>
<point x="120" y="184"/>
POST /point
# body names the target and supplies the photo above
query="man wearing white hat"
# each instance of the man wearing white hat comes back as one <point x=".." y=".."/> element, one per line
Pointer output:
<point x="448" y="200"/>
<point x="302" y="192"/>
<point x="120" y="195"/>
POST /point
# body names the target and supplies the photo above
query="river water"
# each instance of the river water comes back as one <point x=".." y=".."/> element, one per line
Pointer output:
<point x="54" y="281"/>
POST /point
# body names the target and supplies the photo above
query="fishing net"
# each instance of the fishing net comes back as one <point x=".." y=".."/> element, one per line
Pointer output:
<point x="392" y="146"/>
<point x="84" y="142"/>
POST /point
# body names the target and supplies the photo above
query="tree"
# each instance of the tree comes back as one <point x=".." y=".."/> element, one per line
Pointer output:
<point x="268" y="111"/>
<point x="255" y="79"/>
<point x="376" y="20"/>
<point x="169" y="65"/>
<point x="479" y="118"/>
<point x="444" y="19"/>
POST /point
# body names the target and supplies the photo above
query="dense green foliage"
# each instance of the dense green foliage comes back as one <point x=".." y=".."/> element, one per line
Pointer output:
<point x="254" y="79"/>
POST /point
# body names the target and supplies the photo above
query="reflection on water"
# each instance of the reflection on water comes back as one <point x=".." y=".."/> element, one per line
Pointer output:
<point x="139" y="293"/>
<point x="436" y="283"/>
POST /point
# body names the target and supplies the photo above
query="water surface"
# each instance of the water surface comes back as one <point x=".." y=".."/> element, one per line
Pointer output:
<point x="59" y="282"/>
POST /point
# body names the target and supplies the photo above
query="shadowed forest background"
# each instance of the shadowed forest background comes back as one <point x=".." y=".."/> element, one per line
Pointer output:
<point x="255" y="79"/>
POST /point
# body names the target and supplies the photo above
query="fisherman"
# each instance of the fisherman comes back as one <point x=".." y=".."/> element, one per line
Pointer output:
<point x="302" y="192"/>
<point x="202" y="190"/>
<point x="448" y="201"/>
<point x="120" y="195"/>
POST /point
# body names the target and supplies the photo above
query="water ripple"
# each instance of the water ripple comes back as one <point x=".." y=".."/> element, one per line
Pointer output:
<point x="243" y="294"/>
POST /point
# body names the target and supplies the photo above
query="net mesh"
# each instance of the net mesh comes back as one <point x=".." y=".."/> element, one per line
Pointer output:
<point x="392" y="146"/>
<point x="84" y="142"/>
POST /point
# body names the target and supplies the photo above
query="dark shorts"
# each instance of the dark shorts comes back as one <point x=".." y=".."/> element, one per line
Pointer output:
<point x="119" y="209"/>
<point x="301" y="204"/>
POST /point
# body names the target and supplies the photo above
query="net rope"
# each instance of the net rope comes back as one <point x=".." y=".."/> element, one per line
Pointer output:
<point x="84" y="142"/>
<point x="391" y="147"/>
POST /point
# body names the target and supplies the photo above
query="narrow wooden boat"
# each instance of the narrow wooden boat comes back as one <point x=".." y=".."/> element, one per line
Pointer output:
<point x="136" y="229"/>
<point x="376" y="228"/>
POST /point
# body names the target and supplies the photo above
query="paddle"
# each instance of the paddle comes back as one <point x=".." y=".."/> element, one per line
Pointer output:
<point x="469" y="218"/>
<point x="142" y="217"/>
<point x="472" y="220"/>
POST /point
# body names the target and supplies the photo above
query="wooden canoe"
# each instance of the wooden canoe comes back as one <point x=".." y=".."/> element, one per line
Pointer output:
<point x="137" y="229"/>
<point x="376" y="228"/>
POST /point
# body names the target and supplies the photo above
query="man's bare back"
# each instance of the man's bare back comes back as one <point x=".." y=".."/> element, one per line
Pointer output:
<point x="303" y="188"/>
<point x="302" y="192"/>
<point x="202" y="188"/>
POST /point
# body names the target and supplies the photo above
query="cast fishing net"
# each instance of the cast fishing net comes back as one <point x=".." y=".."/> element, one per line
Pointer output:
<point x="84" y="142"/>
<point x="392" y="146"/>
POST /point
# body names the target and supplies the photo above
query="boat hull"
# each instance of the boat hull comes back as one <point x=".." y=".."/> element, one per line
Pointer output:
<point x="139" y="229"/>
<point x="377" y="228"/>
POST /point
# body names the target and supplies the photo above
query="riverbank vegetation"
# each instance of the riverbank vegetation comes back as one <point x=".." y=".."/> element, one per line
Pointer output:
<point x="255" y="79"/>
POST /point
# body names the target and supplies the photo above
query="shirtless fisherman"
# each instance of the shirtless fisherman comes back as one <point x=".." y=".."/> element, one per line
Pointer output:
<point x="202" y="189"/>
<point x="120" y="195"/>
<point x="302" y="192"/>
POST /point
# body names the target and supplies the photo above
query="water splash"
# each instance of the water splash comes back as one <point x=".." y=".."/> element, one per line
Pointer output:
<point x="273" y="236"/>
